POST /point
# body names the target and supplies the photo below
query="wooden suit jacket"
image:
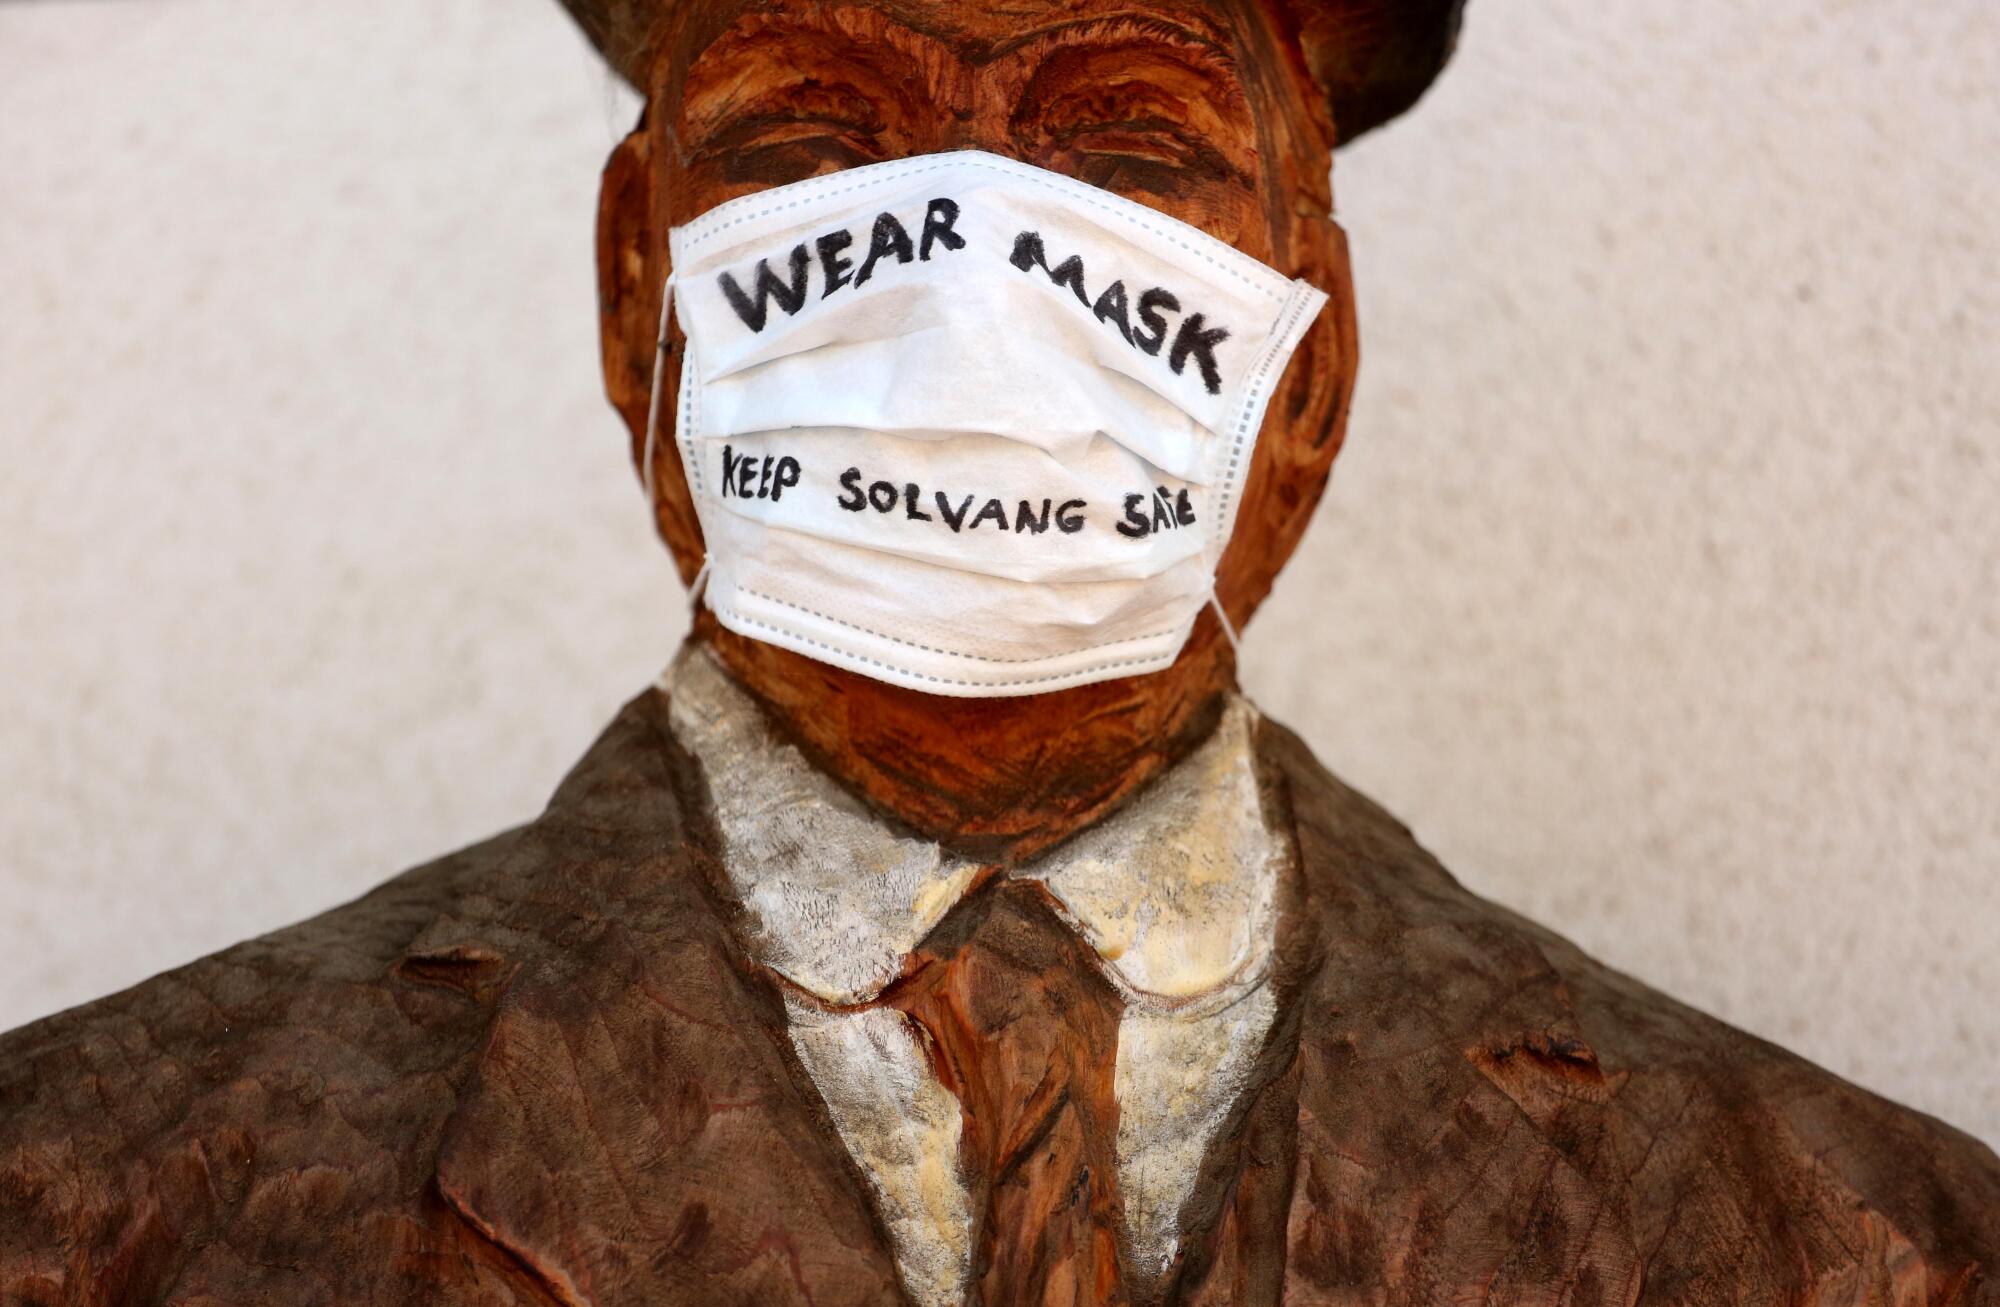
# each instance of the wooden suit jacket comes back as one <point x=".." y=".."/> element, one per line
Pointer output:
<point x="542" y="1071"/>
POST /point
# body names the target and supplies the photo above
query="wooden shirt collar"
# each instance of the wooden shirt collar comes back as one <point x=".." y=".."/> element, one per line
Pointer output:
<point x="1175" y="891"/>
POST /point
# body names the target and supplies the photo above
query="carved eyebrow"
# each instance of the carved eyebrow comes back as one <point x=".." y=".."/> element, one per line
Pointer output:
<point x="1072" y="96"/>
<point x="796" y="99"/>
<point x="1140" y="44"/>
<point x="1206" y="47"/>
<point x="845" y="82"/>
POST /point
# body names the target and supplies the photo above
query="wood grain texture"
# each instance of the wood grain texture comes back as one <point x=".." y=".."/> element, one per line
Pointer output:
<point x="1202" y="109"/>
<point x="1026" y="1031"/>
<point x="1372" y="58"/>
<point x="542" y="1071"/>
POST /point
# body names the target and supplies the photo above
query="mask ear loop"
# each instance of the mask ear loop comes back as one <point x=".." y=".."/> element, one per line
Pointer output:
<point x="653" y="400"/>
<point x="1229" y="630"/>
<point x="700" y="584"/>
<point x="698" y="587"/>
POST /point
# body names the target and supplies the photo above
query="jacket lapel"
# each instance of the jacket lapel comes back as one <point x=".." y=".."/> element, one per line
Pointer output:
<point x="1451" y="1116"/>
<point x="636" y="1130"/>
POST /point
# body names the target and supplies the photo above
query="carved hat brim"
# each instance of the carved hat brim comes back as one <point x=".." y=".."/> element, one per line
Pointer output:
<point x="1373" y="58"/>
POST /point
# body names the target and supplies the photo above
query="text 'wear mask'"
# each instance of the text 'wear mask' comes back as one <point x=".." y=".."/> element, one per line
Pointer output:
<point x="969" y="426"/>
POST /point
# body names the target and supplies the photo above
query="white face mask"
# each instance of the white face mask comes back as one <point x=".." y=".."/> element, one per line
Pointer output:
<point x="966" y="425"/>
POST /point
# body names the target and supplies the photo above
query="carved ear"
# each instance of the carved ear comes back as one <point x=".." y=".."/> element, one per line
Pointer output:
<point x="1374" y="58"/>
<point x="628" y="290"/>
<point x="629" y="284"/>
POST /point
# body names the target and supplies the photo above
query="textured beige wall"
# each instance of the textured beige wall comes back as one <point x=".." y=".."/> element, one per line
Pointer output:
<point x="1656" y="588"/>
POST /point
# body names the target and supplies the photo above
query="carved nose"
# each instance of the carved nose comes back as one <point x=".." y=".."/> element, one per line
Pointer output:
<point x="970" y="131"/>
<point x="978" y="119"/>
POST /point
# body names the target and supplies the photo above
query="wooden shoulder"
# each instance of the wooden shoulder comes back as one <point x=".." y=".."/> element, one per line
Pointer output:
<point x="302" y="1075"/>
<point x="1483" y="1102"/>
<point x="264" y="1124"/>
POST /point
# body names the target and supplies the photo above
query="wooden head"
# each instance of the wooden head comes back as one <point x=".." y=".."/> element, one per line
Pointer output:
<point x="1217" y="112"/>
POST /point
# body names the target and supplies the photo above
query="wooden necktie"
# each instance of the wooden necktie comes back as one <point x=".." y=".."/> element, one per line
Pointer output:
<point x="1023" y="1029"/>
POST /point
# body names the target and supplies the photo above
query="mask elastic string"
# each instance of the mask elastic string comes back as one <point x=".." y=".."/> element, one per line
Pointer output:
<point x="1235" y="645"/>
<point x="700" y="583"/>
<point x="653" y="404"/>
<point x="698" y="587"/>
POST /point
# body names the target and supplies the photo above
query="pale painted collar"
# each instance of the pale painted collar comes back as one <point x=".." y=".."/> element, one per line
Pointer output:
<point x="1176" y="890"/>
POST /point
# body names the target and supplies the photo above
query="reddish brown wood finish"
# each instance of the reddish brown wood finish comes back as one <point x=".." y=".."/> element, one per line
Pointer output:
<point x="542" y="1072"/>
<point x="545" y="1071"/>
<point x="1202" y="109"/>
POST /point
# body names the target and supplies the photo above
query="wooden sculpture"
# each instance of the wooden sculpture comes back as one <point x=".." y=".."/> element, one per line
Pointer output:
<point x="808" y="989"/>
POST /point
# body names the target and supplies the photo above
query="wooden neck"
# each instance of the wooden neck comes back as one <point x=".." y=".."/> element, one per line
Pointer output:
<point x="998" y="780"/>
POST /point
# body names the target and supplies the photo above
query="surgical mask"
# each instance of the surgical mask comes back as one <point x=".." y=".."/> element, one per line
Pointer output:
<point x="965" y="425"/>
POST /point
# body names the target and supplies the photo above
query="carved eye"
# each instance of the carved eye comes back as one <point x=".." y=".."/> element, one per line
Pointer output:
<point x="1124" y="133"/>
<point x="1146" y="140"/>
<point x="816" y="132"/>
<point x="795" y="132"/>
<point x="772" y="152"/>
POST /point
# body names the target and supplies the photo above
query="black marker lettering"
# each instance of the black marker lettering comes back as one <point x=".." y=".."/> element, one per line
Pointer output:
<point x="1025" y="519"/>
<point x="850" y="481"/>
<point x="833" y="266"/>
<point x="787" y="476"/>
<point x="728" y="472"/>
<point x="1070" y="273"/>
<point x="1191" y="339"/>
<point x="1067" y="522"/>
<point x="888" y="238"/>
<point x="910" y="505"/>
<point x="956" y="521"/>
<point x="1150" y="305"/>
<point x="1183" y="508"/>
<point x="993" y="510"/>
<point x="1195" y="339"/>
<point x="1111" y="308"/>
<point x="1028" y="253"/>
<point x="1136" y="524"/>
<point x="937" y="227"/>
<point x="790" y="298"/>
<point x="1163" y="508"/>
<point x="882" y="496"/>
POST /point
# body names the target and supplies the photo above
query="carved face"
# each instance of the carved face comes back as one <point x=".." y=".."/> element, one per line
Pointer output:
<point x="1200" y="110"/>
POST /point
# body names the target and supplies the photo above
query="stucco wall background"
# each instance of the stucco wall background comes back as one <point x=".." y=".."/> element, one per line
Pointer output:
<point x="1655" y="589"/>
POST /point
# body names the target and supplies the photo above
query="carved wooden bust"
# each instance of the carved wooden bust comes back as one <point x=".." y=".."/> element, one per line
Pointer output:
<point x="807" y="988"/>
